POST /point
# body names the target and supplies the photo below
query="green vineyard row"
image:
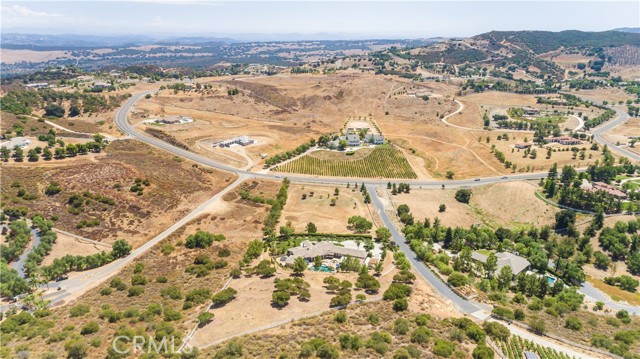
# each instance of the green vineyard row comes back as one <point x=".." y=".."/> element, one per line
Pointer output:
<point x="383" y="162"/>
<point x="515" y="347"/>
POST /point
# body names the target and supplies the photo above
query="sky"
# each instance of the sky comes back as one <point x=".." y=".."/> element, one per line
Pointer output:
<point x="335" y="19"/>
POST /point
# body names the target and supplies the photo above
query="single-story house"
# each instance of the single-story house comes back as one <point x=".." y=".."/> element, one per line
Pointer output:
<point x="102" y="85"/>
<point x="522" y="145"/>
<point x="242" y="141"/>
<point x="325" y="250"/>
<point x="563" y="140"/>
<point x="531" y="111"/>
<point x="37" y="85"/>
<point x="601" y="186"/>
<point x="518" y="264"/>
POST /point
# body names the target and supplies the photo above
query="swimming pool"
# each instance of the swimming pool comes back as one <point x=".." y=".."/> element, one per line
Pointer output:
<point x="550" y="280"/>
<point x="322" y="268"/>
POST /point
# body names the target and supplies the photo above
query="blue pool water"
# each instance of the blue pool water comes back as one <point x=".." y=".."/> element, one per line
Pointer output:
<point x="322" y="268"/>
<point x="551" y="280"/>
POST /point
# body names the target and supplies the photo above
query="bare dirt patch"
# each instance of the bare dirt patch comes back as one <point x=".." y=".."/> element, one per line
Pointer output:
<point x="68" y="245"/>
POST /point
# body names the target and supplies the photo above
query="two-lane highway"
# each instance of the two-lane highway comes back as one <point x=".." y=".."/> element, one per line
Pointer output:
<point x="93" y="278"/>
<point x="125" y="126"/>
<point x="600" y="131"/>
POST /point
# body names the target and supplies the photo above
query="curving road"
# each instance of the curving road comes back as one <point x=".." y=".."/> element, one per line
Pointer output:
<point x="94" y="277"/>
<point x="19" y="263"/>
<point x="600" y="131"/>
<point x="125" y="126"/>
<point x="463" y="305"/>
<point x="461" y="107"/>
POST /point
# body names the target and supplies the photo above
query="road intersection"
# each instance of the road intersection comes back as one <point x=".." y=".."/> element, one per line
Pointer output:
<point x="79" y="284"/>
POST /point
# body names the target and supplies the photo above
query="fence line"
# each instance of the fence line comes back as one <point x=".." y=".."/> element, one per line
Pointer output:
<point x="495" y="348"/>
<point x="558" y="338"/>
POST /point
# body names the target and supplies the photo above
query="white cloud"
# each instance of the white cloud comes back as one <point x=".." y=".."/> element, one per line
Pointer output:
<point x="25" y="12"/>
<point x="177" y="2"/>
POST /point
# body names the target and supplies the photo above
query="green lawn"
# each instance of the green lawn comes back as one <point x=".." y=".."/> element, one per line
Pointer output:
<point x="486" y="252"/>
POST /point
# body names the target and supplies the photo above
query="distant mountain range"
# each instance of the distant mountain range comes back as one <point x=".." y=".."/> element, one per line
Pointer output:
<point x="628" y="29"/>
<point x="72" y="41"/>
<point x="544" y="41"/>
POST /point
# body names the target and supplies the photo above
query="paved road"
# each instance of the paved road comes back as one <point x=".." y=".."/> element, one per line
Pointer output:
<point x="123" y="124"/>
<point x="596" y="295"/>
<point x="18" y="264"/>
<point x="464" y="306"/>
<point x="91" y="278"/>
<point x="461" y="107"/>
<point x="600" y="131"/>
<point x="88" y="279"/>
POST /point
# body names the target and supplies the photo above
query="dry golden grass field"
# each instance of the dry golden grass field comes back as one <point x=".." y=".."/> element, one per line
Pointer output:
<point x="511" y="204"/>
<point x="318" y="209"/>
<point x="252" y="307"/>
<point x="286" y="110"/>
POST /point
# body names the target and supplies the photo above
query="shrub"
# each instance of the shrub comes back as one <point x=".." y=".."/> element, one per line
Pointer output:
<point x="482" y="352"/>
<point x="138" y="279"/>
<point x="340" y="300"/>
<point x="400" y="305"/>
<point x="401" y="326"/>
<point x="167" y="248"/>
<point x="373" y="319"/>
<point x="327" y="351"/>
<point x="135" y="291"/>
<point x="443" y="348"/>
<point x="202" y="239"/>
<point x="172" y="292"/>
<point x="224" y="296"/>
<point x="496" y="331"/>
<point x="423" y="319"/>
<point x="538" y="326"/>
<point x="90" y="328"/>
<point x="573" y="323"/>
<point x="118" y="284"/>
<point x="601" y="341"/>
<point x="457" y="279"/>
<point x="232" y="349"/>
<point x="421" y="335"/>
<point x="198" y="296"/>
<point x="463" y="195"/>
<point x="204" y="318"/>
<point x="79" y="310"/>
<point x="76" y="349"/>
<point x="171" y="315"/>
<point x="341" y="317"/>
<point x="397" y="291"/>
<point x="503" y="312"/>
